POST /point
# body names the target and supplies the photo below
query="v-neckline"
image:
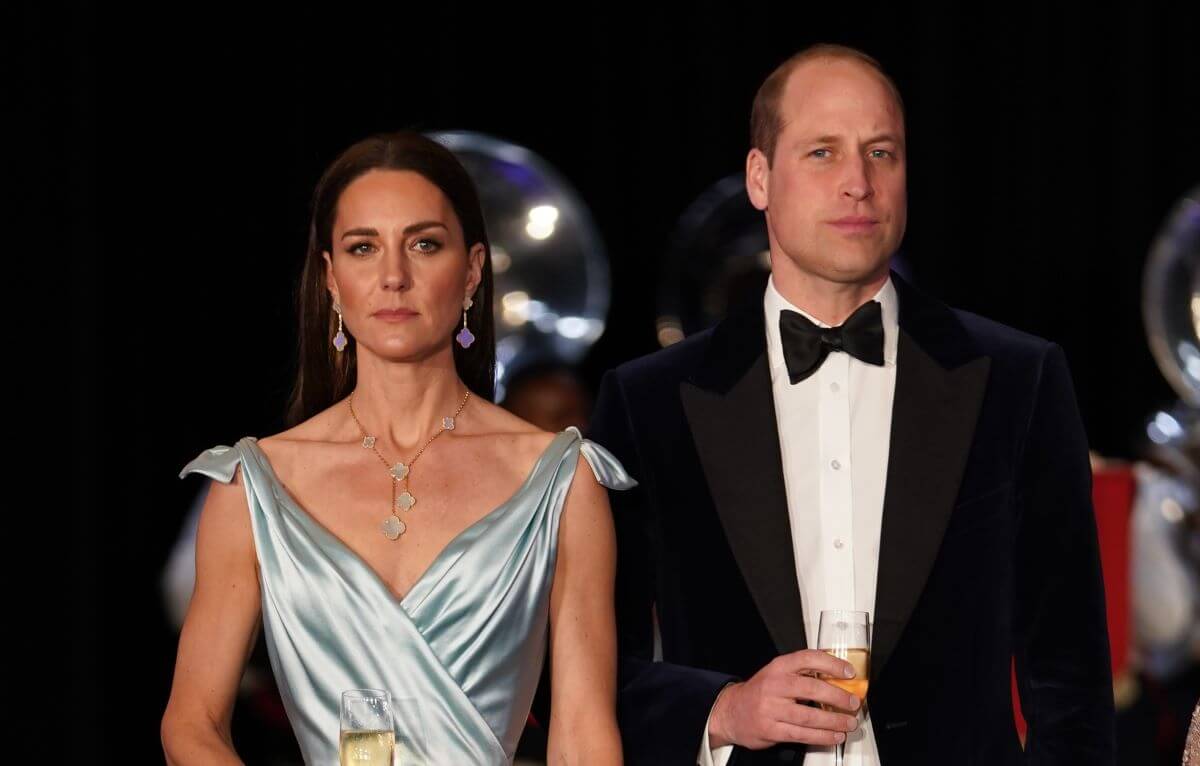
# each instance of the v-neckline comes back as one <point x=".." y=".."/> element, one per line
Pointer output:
<point x="281" y="492"/>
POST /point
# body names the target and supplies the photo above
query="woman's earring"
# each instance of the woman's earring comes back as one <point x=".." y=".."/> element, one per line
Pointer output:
<point x="339" y="340"/>
<point x="464" y="337"/>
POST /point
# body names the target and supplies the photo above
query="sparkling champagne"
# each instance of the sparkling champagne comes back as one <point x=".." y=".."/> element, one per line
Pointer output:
<point x="861" y="660"/>
<point x="367" y="748"/>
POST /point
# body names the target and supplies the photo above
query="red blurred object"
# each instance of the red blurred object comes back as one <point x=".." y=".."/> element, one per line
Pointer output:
<point x="1113" y="487"/>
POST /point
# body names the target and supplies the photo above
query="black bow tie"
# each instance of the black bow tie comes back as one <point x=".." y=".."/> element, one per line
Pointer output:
<point x="805" y="345"/>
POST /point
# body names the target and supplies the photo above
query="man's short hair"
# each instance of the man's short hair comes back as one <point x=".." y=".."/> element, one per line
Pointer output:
<point x="765" y="121"/>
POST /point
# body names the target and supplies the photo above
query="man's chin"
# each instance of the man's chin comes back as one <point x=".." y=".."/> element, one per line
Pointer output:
<point x="857" y="269"/>
<point x="843" y="265"/>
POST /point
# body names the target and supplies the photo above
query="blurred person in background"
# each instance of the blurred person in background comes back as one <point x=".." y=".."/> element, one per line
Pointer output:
<point x="549" y="394"/>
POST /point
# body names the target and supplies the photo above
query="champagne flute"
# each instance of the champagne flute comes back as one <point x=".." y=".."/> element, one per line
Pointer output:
<point x="368" y="733"/>
<point x="847" y="636"/>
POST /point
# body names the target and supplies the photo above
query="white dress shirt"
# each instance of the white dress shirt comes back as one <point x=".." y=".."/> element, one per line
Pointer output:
<point x="834" y="434"/>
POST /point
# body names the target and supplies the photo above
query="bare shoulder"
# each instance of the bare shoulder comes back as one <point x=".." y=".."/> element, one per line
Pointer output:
<point x="224" y="497"/>
<point x="586" y="491"/>
<point x="510" y="441"/>
<point x="224" y="531"/>
<point x="587" y="538"/>
<point x="521" y="443"/>
<point x="291" y="448"/>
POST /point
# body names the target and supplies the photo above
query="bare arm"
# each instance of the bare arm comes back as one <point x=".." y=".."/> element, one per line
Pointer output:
<point x="218" y="634"/>
<point x="583" y="643"/>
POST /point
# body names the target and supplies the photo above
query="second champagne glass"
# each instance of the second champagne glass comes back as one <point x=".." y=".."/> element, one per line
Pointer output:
<point x="368" y="731"/>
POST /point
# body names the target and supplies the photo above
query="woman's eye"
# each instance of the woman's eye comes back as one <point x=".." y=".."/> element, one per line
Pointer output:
<point x="360" y="248"/>
<point x="427" y="245"/>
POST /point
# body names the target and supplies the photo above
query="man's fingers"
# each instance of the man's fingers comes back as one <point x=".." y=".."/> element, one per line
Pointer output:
<point x="811" y="689"/>
<point x="814" y="661"/>
<point x="766" y="709"/>
<point x="813" y="718"/>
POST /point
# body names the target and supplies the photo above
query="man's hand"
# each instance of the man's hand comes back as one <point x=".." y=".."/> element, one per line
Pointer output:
<point x="769" y="708"/>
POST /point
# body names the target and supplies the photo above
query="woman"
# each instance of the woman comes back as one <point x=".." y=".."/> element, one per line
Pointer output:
<point x="407" y="534"/>
<point x="1191" y="750"/>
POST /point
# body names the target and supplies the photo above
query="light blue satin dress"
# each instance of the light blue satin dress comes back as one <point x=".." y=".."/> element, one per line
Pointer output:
<point x="466" y="642"/>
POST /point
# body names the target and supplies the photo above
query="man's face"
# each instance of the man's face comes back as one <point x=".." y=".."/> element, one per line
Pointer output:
<point x="834" y="194"/>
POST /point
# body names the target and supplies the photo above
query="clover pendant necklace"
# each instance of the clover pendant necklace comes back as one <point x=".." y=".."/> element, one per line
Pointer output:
<point x="393" y="525"/>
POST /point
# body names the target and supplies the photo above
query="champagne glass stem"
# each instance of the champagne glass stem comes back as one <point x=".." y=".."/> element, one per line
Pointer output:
<point x="840" y="753"/>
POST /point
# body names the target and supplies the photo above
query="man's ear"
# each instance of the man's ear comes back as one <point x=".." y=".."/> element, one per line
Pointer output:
<point x="758" y="177"/>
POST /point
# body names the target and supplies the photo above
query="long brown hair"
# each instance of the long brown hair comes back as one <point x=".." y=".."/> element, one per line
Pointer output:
<point x="323" y="375"/>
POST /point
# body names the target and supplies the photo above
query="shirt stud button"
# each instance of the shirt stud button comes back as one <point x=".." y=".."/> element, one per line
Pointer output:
<point x="835" y="465"/>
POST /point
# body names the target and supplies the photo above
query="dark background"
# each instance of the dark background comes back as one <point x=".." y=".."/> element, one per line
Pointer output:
<point x="166" y="163"/>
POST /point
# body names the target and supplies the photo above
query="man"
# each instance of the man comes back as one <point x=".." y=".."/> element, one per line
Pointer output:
<point x="916" y="462"/>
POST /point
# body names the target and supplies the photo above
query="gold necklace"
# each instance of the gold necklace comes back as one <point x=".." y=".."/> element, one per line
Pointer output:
<point x="394" y="526"/>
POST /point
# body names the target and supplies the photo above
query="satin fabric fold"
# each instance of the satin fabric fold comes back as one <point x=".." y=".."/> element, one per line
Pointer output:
<point x="466" y="642"/>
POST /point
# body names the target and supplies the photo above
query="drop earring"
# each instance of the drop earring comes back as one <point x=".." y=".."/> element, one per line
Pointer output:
<point x="465" y="338"/>
<point x="339" y="340"/>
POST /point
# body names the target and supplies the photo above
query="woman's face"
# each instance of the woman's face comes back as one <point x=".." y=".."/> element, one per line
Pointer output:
<point x="399" y="266"/>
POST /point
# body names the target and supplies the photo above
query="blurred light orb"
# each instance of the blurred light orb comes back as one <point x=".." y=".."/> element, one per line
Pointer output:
<point x="1171" y="298"/>
<point x="719" y="258"/>
<point x="550" y="265"/>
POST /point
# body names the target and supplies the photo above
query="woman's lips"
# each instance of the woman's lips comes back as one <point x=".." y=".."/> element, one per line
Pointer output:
<point x="394" y="315"/>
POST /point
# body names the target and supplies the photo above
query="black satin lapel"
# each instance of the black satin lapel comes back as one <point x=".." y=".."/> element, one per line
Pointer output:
<point x="933" y="422"/>
<point x="737" y="440"/>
